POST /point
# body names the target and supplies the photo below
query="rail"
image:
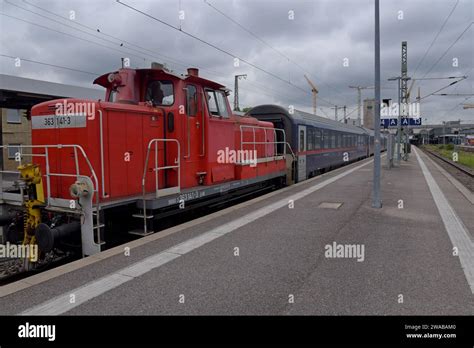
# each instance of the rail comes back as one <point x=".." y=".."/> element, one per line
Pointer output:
<point x="459" y="167"/>
<point x="156" y="169"/>
<point x="275" y="131"/>
<point x="48" y="174"/>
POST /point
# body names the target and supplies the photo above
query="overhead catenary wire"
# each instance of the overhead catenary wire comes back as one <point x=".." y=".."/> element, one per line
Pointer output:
<point x="432" y="93"/>
<point x="436" y="37"/>
<point x="173" y="60"/>
<point x="49" y="64"/>
<point x="73" y="36"/>
<point x="120" y="40"/>
<point x="215" y="47"/>
<point x="268" y="45"/>
<point x="447" y="50"/>
<point x="96" y="43"/>
<point x="89" y="41"/>
<point x="119" y="43"/>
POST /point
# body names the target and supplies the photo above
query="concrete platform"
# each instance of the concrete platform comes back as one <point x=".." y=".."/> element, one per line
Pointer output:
<point x="269" y="255"/>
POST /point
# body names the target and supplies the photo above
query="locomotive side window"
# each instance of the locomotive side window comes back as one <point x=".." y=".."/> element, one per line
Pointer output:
<point x="191" y="100"/>
<point x="160" y="93"/>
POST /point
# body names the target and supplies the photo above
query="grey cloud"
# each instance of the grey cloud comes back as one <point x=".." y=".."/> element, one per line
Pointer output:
<point x="321" y="36"/>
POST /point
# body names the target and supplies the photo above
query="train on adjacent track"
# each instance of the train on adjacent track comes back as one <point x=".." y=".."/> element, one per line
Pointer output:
<point x="159" y="143"/>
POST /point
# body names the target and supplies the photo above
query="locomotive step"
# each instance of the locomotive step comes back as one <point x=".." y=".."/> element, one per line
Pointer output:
<point x="140" y="232"/>
<point x="141" y="216"/>
<point x="63" y="210"/>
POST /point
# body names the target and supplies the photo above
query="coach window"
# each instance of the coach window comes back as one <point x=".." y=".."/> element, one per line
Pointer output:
<point x="191" y="100"/>
<point x="333" y="140"/>
<point x="310" y="138"/>
<point x="317" y="139"/>
<point x="327" y="139"/>
<point x="160" y="93"/>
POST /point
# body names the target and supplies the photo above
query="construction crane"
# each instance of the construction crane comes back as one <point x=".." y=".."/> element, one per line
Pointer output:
<point x="314" y="90"/>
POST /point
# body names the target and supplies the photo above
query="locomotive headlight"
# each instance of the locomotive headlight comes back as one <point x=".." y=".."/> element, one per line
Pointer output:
<point x="111" y="78"/>
<point x="114" y="78"/>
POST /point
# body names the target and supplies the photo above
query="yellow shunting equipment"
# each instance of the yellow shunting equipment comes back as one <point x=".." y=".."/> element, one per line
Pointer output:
<point x="33" y="200"/>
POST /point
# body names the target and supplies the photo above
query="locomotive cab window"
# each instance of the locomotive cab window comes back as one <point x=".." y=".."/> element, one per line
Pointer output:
<point x="191" y="100"/>
<point x="160" y="93"/>
<point x="216" y="103"/>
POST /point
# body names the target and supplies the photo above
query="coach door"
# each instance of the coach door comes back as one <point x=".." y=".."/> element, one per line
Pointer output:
<point x="301" y="153"/>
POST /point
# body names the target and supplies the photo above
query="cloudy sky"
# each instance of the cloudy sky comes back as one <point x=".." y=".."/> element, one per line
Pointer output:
<point x="329" y="40"/>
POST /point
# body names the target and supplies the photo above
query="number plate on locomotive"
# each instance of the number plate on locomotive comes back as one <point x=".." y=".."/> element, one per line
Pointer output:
<point x="58" y="121"/>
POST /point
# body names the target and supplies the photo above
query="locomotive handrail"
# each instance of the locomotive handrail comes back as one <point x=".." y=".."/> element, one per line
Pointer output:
<point x="291" y="150"/>
<point x="254" y="142"/>
<point x="48" y="173"/>
<point x="156" y="169"/>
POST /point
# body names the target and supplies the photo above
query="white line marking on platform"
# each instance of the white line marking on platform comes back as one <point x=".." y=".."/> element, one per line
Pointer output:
<point x="61" y="304"/>
<point x="454" y="226"/>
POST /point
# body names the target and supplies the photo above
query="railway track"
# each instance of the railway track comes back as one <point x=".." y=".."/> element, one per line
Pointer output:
<point x="15" y="269"/>
<point x="459" y="167"/>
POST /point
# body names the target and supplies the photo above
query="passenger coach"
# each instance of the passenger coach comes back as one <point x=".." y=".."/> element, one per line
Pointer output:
<point x="319" y="144"/>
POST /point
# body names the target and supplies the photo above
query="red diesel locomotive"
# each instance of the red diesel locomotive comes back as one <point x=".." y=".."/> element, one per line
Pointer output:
<point x="157" y="143"/>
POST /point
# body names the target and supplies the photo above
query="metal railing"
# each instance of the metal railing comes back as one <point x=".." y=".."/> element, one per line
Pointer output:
<point x="157" y="169"/>
<point x="275" y="143"/>
<point x="48" y="174"/>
